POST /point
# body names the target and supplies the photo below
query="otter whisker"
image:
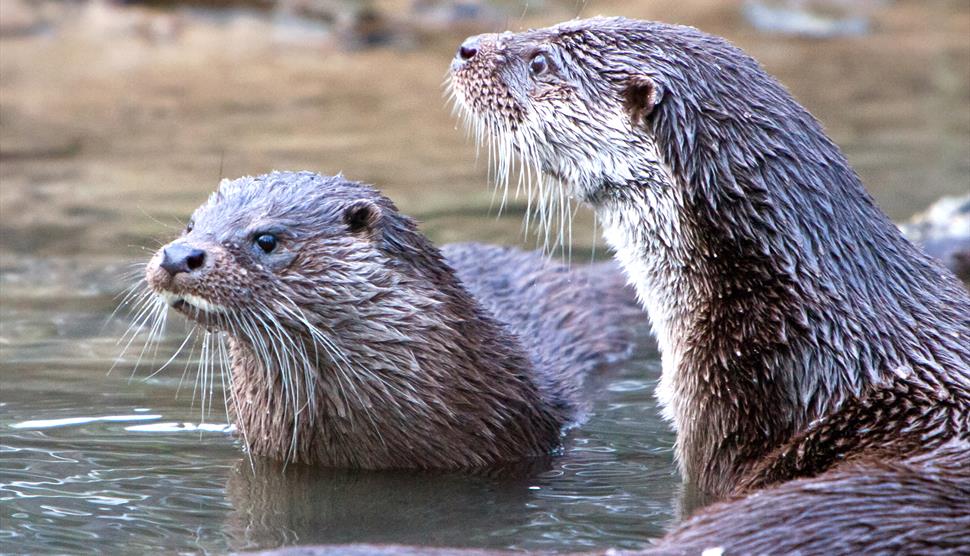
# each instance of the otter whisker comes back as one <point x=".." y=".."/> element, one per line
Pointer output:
<point x="130" y="295"/>
<point x="185" y="368"/>
<point x="258" y="342"/>
<point x="203" y="382"/>
<point x="309" y="376"/>
<point x="285" y="358"/>
<point x="203" y="358"/>
<point x="134" y="328"/>
<point x="219" y="339"/>
<point x="163" y="320"/>
<point x="226" y="367"/>
<point x="294" y="311"/>
<point x="224" y="375"/>
<point x="316" y="335"/>
<point x="189" y="336"/>
<point x="206" y="388"/>
<point x="142" y="309"/>
<point x="559" y="201"/>
<point x="273" y="348"/>
<point x="130" y="292"/>
<point x="157" y="315"/>
<point x="215" y="340"/>
<point x="271" y="357"/>
<point x="264" y="353"/>
<point x="546" y="199"/>
<point x="134" y="274"/>
<point x="530" y="206"/>
<point x="536" y="190"/>
<point x="203" y="375"/>
<point x="343" y="366"/>
<point x="299" y="359"/>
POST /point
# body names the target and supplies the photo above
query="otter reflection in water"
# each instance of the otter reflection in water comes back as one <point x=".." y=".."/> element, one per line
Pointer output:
<point x="354" y="342"/>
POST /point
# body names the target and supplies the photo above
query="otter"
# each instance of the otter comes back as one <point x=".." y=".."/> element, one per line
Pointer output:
<point x="353" y="342"/>
<point x="800" y="332"/>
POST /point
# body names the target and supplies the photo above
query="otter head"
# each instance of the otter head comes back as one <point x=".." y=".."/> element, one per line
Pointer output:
<point x="604" y="104"/>
<point x="260" y="247"/>
<point x="573" y="101"/>
<point x="298" y="270"/>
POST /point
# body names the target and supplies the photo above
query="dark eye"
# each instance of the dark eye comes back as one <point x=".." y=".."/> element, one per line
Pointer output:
<point x="539" y="64"/>
<point x="266" y="242"/>
<point x="189" y="227"/>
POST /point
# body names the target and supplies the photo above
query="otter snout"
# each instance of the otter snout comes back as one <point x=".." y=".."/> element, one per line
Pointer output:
<point x="187" y="277"/>
<point x="177" y="265"/>
<point x="179" y="257"/>
<point x="468" y="49"/>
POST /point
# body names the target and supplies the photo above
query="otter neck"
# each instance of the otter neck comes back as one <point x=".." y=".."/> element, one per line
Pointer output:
<point x="419" y="378"/>
<point x="771" y="305"/>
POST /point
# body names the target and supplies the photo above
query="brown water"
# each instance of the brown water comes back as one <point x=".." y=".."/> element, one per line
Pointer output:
<point x="114" y="127"/>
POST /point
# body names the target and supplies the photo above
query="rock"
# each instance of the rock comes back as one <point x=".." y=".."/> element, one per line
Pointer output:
<point x="19" y="17"/>
<point x="814" y="18"/>
<point x="943" y="230"/>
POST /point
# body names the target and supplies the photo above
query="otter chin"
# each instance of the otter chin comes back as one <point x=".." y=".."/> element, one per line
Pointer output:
<point x="799" y="330"/>
<point x="354" y="342"/>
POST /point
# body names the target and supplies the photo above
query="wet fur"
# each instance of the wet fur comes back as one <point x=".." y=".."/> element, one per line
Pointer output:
<point x="799" y="330"/>
<point x="355" y="343"/>
<point x="859" y="509"/>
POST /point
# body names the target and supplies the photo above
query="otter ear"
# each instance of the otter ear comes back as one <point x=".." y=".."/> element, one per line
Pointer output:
<point x="640" y="96"/>
<point x="362" y="217"/>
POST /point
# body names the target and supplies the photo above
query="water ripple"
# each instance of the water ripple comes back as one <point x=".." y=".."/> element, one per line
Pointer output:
<point x="96" y="463"/>
<point x="69" y="421"/>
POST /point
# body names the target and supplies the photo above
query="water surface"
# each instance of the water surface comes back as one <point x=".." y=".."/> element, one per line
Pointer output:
<point x="132" y="463"/>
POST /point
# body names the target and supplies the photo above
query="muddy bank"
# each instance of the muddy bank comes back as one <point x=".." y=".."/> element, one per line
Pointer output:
<point x="110" y="133"/>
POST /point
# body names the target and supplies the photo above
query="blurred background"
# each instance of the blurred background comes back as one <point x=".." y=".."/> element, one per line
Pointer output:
<point x="115" y="115"/>
<point x="117" y="118"/>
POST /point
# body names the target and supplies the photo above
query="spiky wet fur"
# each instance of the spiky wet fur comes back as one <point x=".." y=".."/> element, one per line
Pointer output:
<point x="798" y="328"/>
<point x="914" y="505"/>
<point x="357" y="345"/>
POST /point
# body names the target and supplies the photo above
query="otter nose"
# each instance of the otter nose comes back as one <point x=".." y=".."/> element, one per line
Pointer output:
<point x="179" y="257"/>
<point x="468" y="49"/>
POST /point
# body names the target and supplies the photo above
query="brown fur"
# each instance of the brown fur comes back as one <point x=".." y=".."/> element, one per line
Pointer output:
<point x="354" y="343"/>
<point x="916" y="505"/>
<point x="798" y="328"/>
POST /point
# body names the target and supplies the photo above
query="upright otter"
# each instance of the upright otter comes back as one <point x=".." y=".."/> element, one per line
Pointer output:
<point x="799" y="330"/>
<point x="354" y="343"/>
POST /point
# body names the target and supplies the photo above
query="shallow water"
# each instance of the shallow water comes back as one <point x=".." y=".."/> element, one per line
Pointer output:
<point x="128" y="463"/>
<point x="109" y="137"/>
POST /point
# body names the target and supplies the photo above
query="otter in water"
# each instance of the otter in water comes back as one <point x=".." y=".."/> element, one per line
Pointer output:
<point x="354" y="342"/>
<point x="799" y="330"/>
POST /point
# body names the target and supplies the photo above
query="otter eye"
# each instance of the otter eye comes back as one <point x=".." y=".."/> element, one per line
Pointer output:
<point x="539" y="64"/>
<point x="266" y="242"/>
